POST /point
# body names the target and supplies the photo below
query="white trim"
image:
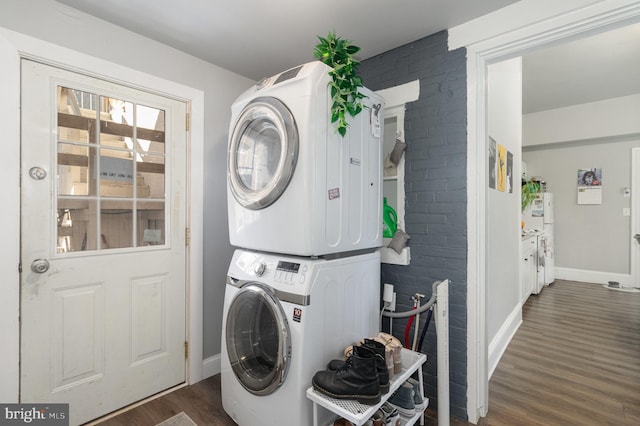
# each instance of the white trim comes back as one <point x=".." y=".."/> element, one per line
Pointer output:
<point x="19" y="45"/>
<point x="635" y="213"/>
<point x="401" y="94"/>
<point x="500" y="342"/>
<point x="597" y="277"/>
<point x="211" y="366"/>
<point x="545" y="22"/>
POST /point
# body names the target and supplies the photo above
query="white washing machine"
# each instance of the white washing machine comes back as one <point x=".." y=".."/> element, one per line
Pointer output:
<point x="284" y="318"/>
<point x="295" y="186"/>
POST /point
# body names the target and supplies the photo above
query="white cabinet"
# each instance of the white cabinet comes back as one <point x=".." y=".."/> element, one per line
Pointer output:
<point x="529" y="266"/>
<point x="358" y="413"/>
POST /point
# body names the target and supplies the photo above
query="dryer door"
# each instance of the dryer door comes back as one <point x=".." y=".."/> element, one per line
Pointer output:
<point x="263" y="151"/>
<point x="258" y="339"/>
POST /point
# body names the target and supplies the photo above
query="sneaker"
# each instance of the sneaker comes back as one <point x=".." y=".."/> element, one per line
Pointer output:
<point x="417" y="395"/>
<point x="391" y="415"/>
<point x="402" y="400"/>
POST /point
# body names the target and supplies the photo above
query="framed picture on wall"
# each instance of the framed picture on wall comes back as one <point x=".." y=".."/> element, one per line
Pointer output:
<point x="492" y="162"/>
<point x="502" y="168"/>
<point x="590" y="186"/>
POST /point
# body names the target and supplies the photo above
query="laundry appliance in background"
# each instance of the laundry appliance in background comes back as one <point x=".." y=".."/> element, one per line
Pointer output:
<point x="284" y="317"/>
<point x="295" y="186"/>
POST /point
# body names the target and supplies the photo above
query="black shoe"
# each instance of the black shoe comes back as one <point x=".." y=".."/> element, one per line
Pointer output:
<point x="381" y="364"/>
<point x="357" y="379"/>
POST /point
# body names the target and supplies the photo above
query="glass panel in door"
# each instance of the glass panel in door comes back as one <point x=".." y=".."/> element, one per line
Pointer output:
<point x="111" y="155"/>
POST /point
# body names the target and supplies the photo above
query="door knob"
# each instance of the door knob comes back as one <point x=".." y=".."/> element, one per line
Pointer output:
<point x="637" y="237"/>
<point x="40" y="266"/>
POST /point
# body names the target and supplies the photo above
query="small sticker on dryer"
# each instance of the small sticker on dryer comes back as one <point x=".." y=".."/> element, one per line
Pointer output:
<point x="334" y="193"/>
<point x="297" y="314"/>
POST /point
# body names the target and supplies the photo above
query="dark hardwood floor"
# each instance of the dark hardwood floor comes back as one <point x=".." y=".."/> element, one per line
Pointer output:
<point x="575" y="360"/>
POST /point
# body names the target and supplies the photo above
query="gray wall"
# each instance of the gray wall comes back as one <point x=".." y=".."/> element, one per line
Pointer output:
<point x="588" y="237"/>
<point x="435" y="185"/>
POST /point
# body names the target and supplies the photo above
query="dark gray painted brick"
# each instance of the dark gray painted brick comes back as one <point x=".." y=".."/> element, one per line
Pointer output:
<point x="435" y="185"/>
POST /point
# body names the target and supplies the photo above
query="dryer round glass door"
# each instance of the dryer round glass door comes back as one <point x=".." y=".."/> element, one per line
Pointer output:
<point x="263" y="151"/>
<point x="258" y="339"/>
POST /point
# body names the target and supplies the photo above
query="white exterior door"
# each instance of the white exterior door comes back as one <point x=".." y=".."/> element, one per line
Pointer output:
<point x="103" y="189"/>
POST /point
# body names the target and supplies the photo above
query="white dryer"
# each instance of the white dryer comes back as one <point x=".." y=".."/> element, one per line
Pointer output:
<point x="284" y="318"/>
<point x="295" y="185"/>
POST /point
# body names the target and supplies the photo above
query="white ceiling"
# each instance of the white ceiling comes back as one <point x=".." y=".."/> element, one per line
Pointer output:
<point x="259" y="38"/>
<point x="599" y="67"/>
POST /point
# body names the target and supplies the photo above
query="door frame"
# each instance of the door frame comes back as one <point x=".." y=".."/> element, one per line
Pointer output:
<point x="635" y="221"/>
<point x="13" y="48"/>
<point x="505" y="34"/>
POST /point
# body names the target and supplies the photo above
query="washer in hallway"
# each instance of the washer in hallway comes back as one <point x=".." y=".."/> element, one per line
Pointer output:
<point x="284" y="318"/>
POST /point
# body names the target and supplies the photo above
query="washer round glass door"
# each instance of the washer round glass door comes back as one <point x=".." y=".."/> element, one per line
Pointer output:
<point x="263" y="152"/>
<point x="258" y="339"/>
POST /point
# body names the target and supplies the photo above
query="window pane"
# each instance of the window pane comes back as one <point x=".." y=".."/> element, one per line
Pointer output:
<point x="73" y="169"/>
<point x="116" y="123"/>
<point x="151" y="230"/>
<point x="116" y="224"/>
<point x="77" y="112"/>
<point x="150" y="176"/>
<point x="76" y="230"/>
<point x="150" y="129"/>
<point x="116" y="173"/>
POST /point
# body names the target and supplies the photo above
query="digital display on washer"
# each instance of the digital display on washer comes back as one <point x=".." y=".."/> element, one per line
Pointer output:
<point x="288" y="267"/>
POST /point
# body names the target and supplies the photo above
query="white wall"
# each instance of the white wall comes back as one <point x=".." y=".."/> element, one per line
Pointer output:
<point x="503" y="209"/>
<point x="592" y="242"/>
<point x="590" y="121"/>
<point x="60" y="25"/>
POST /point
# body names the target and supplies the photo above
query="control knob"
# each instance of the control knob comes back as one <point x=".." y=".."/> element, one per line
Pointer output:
<point x="259" y="269"/>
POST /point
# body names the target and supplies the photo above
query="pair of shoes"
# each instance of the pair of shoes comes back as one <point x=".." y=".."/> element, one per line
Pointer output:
<point x="391" y="415"/>
<point x="386" y="415"/>
<point x="402" y="400"/>
<point x="408" y="398"/>
<point x="418" y="401"/>
<point x="356" y="378"/>
<point x="381" y="367"/>
<point x="394" y="345"/>
<point x="342" y="422"/>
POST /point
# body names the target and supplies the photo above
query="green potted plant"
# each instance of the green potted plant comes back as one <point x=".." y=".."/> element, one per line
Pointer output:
<point x="338" y="54"/>
<point x="530" y="188"/>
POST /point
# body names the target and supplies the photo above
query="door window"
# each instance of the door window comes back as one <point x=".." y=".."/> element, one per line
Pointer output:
<point x="111" y="173"/>
<point x="262" y="153"/>
<point x="258" y="339"/>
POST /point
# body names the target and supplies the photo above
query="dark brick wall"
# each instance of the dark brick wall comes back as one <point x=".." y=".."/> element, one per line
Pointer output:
<point x="435" y="186"/>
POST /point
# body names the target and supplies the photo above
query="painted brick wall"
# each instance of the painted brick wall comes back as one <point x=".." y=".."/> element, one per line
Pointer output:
<point x="435" y="186"/>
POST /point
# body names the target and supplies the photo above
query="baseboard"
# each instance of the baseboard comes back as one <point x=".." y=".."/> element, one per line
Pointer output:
<point x="499" y="343"/>
<point x="211" y="366"/>
<point x="596" y="277"/>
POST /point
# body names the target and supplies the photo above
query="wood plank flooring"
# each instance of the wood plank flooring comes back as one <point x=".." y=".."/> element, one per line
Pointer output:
<point x="575" y="360"/>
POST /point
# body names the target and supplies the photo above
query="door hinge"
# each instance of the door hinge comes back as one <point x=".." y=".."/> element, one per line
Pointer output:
<point x="20" y="267"/>
<point x="187" y="236"/>
<point x="188" y="122"/>
<point x="186" y="350"/>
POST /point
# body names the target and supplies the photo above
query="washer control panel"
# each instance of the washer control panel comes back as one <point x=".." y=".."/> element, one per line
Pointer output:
<point x="289" y="272"/>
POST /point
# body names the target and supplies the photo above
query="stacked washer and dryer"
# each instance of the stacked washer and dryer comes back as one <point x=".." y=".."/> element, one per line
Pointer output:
<point x="304" y="206"/>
